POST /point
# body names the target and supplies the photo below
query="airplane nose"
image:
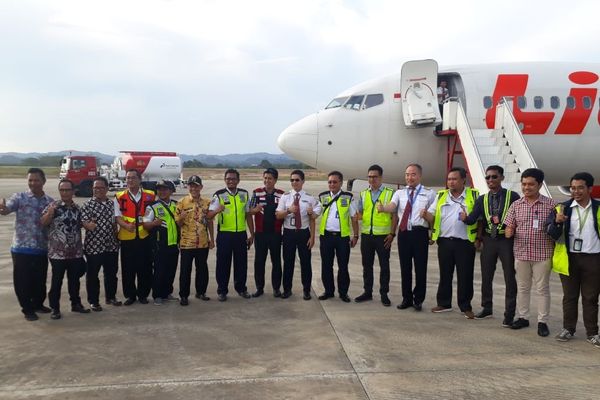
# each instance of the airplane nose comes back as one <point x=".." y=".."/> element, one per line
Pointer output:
<point x="299" y="140"/>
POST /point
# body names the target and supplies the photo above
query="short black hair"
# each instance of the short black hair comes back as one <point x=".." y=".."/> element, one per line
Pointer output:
<point x="534" y="173"/>
<point x="297" y="172"/>
<point x="495" y="168"/>
<point x="272" y="171"/>
<point x="38" y="171"/>
<point x="232" y="171"/>
<point x="376" y="167"/>
<point x="101" y="179"/>
<point x="460" y="170"/>
<point x="583" y="176"/>
<point x="417" y="166"/>
<point x="336" y="173"/>
<point x="138" y="173"/>
<point x="66" y="181"/>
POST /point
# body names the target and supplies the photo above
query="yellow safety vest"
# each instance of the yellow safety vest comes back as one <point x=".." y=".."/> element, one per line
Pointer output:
<point x="488" y="217"/>
<point x="470" y="197"/>
<point x="373" y="221"/>
<point x="343" y="209"/>
<point x="169" y="226"/>
<point x="233" y="217"/>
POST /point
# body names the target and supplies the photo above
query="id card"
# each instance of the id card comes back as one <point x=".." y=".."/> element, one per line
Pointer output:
<point x="495" y="220"/>
<point x="536" y="224"/>
<point x="293" y="220"/>
<point x="577" y="244"/>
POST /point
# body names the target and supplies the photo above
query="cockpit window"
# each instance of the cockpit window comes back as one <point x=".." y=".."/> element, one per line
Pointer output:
<point x="354" y="102"/>
<point x="337" y="102"/>
<point x="373" y="100"/>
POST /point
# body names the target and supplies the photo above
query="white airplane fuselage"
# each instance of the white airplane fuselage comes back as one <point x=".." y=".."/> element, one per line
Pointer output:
<point x="560" y="121"/>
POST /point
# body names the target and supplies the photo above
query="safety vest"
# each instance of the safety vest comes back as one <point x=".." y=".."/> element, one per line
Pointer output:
<point x="470" y="196"/>
<point x="343" y="211"/>
<point x="133" y="213"/>
<point x="373" y="221"/>
<point x="233" y="217"/>
<point x="167" y="234"/>
<point x="488" y="217"/>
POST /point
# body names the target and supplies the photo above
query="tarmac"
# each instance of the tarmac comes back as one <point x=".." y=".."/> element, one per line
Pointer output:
<point x="269" y="348"/>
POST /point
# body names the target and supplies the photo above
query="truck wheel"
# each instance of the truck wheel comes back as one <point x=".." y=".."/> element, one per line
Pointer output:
<point x="85" y="189"/>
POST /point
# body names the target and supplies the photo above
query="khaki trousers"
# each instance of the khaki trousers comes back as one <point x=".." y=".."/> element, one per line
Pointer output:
<point x="536" y="273"/>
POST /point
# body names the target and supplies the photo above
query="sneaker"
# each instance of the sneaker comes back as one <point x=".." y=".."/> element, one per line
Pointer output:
<point x="158" y="301"/>
<point x="96" y="307"/>
<point x="440" y="309"/>
<point x="79" y="308"/>
<point x="385" y="300"/>
<point x="184" y="301"/>
<point x="543" y="330"/>
<point x="595" y="340"/>
<point x="484" y="314"/>
<point x="507" y="322"/>
<point x="520" y="323"/>
<point x="222" y="297"/>
<point x="469" y="314"/>
<point x="564" y="335"/>
<point x="55" y="314"/>
<point x="114" y="302"/>
<point x="31" y="317"/>
<point x="363" y="297"/>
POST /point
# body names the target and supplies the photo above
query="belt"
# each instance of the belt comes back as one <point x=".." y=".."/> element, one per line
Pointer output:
<point x="331" y="233"/>
<point x="295" y="230"/>
<point x="453" y="239"/>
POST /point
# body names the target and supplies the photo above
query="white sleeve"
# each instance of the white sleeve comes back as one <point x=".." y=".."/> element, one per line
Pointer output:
<point x="317" y="208"/>
<point x="281" y="206"/>
<point x="433" y="207"/>
<point x="117" y="208"/>
<point x="149" y="215"/>
<point x="214" y="203"/>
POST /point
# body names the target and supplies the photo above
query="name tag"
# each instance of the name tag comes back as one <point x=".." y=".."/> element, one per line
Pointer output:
<point x="536" y="224"/>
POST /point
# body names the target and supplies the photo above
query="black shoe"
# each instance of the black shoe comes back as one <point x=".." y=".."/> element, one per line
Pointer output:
<point x="364" y="297"/>
<point x="543" y="330"/>
<point x="222" y="297"/>
<point x="143" y="300"/>
<point x="520" y="323"/>
<point x="129" y="301"/>
<point x="385" y="300"/>
<point x="507" y="322"/>
<point x="96" y="307"/>
<point x="245" y="295"/>
<point x="114" y="302"/>
<point x="276" y="293"/>
<point x="306" y="295"/>
<point x="325" y="296"/>
<point x="404" y="305"/>
<point x="31" y="317"/>
<point x="79" y="308"/>
<point x="184" y="301"/>
<point x="43" y="309"/>
<point x="202" y="296"/>
<point x="55" y="314"/>
<point x="483" y="314"/>
<point x="286" y="294"/>
<point x="418" y="306"/>
<point x="258" y="293"/>
<point x="345" y="298"/>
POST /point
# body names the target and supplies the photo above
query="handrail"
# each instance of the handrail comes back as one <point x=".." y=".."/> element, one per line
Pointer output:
<point x="469" y="148"/>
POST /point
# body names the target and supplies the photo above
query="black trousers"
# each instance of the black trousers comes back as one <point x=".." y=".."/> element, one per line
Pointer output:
<point x="165" y="268"/>
<point x="198" y="257"/>
<point x="267" y="243"/>
<point x="30" y="272"/>
<point x="109" y="262"/>
<point x="494" y="248"/>
<point x="413" y="247"/>
<point x="75" y="268"/>
<point x="369" y="246"/>
<point x="335" y="246"/>
<point x="296" y="240"/>
<point x="232" y="244"/>
<point x="460" y="254"/>
<point x="136" y="262"/>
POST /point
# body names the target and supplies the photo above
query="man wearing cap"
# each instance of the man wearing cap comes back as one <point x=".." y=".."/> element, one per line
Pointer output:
<point x="160" y="219"/>
<point x="268" y="232"/>
<point x="197" y="238"/>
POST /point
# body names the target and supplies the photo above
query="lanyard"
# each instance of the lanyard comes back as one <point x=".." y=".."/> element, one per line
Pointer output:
<point x="415" y="194"/>
<point x="582" y="221"/>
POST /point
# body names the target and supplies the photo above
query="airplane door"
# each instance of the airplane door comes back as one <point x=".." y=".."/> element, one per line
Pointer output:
<point x="418" y="85"/>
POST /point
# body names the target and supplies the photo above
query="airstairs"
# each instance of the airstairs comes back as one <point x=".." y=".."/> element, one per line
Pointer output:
<point x="504" y="145"/>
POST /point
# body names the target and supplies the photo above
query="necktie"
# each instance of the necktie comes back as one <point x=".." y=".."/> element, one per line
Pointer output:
<point x="297" y="217"/>
<point x="407" y="211"/>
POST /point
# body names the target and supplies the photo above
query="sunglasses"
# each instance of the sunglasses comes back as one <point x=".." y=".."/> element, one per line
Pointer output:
<point x="488" y="177"/>
<point x="295" y="180"/>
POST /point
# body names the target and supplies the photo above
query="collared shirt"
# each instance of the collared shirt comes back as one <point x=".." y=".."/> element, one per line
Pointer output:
<point x="452" y="226"/>
<point x="30" y="237"/>
<point x="64" y="232"/>
<point x="135" y="197"/>
<point x="531" y="241"/>
<point x="333" y="218"/>
<point x="194" y="230"/>
<point x="496" y="205"/>
<point x="590" y="242"/>
<point x="423" y="198"/>
<point x="104" y="237"/>
<point x="374" y="196"/>
<point x="287" y="200"/>
<point x="214" y="203"/>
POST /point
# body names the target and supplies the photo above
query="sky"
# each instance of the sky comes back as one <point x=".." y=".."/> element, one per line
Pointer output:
<point x="220" y="77"/>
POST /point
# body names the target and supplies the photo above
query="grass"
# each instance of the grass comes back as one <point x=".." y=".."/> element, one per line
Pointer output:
<point x="20" y="171"/>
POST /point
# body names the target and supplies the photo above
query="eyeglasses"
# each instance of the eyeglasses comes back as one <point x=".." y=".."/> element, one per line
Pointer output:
<point x="333" y="182"/>
<point x="577" y="188"/>
<point x="295" y="180"/>
<point x="487" y="178"/>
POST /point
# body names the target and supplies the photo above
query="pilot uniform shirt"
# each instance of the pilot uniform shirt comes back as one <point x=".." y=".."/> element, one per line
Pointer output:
<point x="423" y="198"/>
<point x="588" y="234"/>
<point x="333" y="218"/>
<point x="451" y="225"/>
<point x="287" y="200"/>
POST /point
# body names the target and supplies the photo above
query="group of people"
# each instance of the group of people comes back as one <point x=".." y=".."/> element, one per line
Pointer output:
<point x="531" y="235"/>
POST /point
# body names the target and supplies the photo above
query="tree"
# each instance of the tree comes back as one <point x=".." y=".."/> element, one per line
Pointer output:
<point x="265" y="164"/>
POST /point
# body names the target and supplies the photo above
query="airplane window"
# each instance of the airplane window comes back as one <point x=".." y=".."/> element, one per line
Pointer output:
<point x="487" y="102"/>
<point x="522" y="102"/>
<point x="554" y="102"/>
<point x="538" y="102"/>
<point x="354" y="102"/>
<point x="337" y="102"/>
<point x="373" y="100"/>
<point x="587" y="102"/>
<point x="571" y="102"/>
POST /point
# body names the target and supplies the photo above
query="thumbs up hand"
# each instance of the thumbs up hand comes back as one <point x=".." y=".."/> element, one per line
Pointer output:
<point x="560" y="215"/>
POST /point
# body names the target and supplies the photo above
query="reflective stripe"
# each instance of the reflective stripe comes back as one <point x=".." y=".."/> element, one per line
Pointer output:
<point x="470" y="197"/>
<point x="169" y="225"/>
<point x="343" y="208"/>
<point x="486" y="210"/>
<point x="128" y="211"/>
<point x="233" y="217"/>
<point x="374" y="222"/>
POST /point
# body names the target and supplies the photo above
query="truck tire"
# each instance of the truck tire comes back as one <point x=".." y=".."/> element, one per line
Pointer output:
<point x="84" y="189"/>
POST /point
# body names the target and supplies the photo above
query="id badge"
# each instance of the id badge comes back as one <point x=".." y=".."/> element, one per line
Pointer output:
<point x="337" y="214"/>
<point x="536" y="224"/>
<point x="293" y="221"/>
<point x="577" y="244"/>
<point x="496" y="220"/>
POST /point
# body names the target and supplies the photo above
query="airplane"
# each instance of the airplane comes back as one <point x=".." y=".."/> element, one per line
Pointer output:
<point x="553" y="107"/>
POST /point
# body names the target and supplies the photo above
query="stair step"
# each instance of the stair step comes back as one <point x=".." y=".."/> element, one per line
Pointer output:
<point x="496" y="150"/>
<point x="497" y="159"/>
<point x="490" y="141"/>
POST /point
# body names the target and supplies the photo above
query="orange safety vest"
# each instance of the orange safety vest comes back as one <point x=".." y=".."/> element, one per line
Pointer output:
<point x="133" y="212"/>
